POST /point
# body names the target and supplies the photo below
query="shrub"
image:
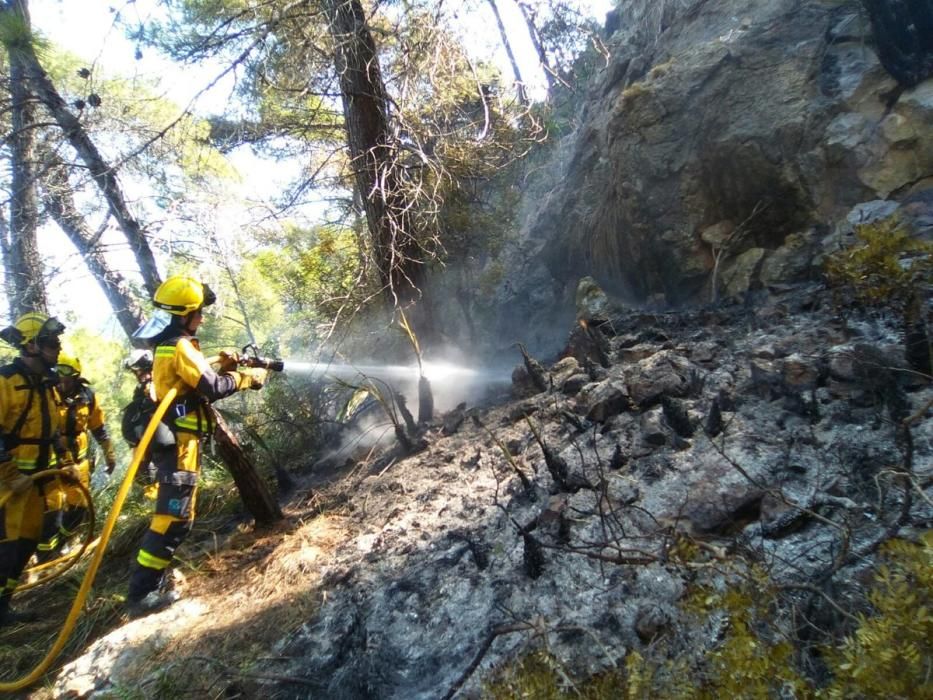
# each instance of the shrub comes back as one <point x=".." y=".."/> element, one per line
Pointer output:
<point x="890" y="655"/>
<point x="887" y="267"/>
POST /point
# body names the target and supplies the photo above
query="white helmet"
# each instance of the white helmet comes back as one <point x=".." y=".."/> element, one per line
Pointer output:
<point x="139" y="359"/>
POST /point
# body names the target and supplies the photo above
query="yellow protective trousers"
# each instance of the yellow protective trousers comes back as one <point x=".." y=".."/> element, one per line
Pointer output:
<point x="65" y="510"/>
<point x="177" y="475"/>
<point x="53" y="496"/>
<point x="20" y="529"/>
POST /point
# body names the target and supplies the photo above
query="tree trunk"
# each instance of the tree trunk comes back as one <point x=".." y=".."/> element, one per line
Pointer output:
<point x="529" y="17"/>
<point x="365" y="108"/>
<point x="519" y="82"/>
<point x="59" y="203"/>
<point x="904" y="36"/>
<point x="24" y="262"/>
<point x="104" y="175"/>
<point x="254" y="491"/>
<point x="9" y="271"/>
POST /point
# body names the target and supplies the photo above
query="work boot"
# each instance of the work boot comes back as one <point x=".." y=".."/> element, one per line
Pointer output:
<point x="150" y="603"/>
<point x="8" y="616"/>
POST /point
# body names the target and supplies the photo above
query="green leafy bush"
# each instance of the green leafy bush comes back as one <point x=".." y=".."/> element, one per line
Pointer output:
<point x="890" y="655"/>
<point x="887" y="267"/>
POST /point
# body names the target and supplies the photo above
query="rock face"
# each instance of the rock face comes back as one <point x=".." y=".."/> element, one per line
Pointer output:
<point x="460" y="562"/>
<point x="717" y="146"/>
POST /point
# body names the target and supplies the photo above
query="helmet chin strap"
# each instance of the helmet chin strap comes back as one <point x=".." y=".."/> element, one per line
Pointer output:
<point x="187" y="322"/>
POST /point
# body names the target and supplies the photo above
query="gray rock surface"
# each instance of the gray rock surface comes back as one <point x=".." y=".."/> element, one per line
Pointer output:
<point x="772" y="118"/>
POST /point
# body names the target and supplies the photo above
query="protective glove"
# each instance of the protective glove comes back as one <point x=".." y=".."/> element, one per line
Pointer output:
<point x="20" y="483"/>
<point x="257" y="378"/>
<point x="71" y="472"/>
<point x="229" y="361"/>
<point x="250" y="378"/>
<point x="110" y="456"/>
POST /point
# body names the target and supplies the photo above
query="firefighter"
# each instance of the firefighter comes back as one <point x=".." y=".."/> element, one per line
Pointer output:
<point x="178" y="362"/>
<point x="136" y="415"/>
<point x="80" y="413"/>
<point x="30" y="442"/>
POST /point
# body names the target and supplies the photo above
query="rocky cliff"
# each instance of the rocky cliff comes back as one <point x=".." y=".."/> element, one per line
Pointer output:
<point x="719" y="147"/>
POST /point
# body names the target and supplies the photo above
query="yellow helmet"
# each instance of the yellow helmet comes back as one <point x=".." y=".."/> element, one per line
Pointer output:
<point x="180" y="295"/>
<point x="33" y="326"/>
<point x="68" y="366"/>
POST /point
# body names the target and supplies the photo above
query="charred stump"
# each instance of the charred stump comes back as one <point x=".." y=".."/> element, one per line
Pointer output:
<point x="903" y="32"/>
<point x="254" y="491"/>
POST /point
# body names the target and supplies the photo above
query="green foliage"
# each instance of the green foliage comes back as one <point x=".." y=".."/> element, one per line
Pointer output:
<point x="751" y="660"/>
<point x="886" y="267"/>
<point x="890" y="655"/>
<point x="15" y="33"/>
<point x="539" y="676"/>
<point x="314" y="273"/>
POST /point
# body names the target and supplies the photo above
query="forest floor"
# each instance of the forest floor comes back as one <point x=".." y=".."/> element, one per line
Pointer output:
<point x="229" y="571"/>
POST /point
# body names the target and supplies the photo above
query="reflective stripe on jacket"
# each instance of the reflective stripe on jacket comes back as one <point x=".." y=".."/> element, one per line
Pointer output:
<point x="179" y="363"/>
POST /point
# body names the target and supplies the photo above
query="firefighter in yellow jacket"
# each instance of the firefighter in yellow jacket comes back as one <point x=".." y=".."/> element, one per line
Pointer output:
<point x="81" y="414"/>
<point x="30" y="435"/>
<point x="178" y="363"/>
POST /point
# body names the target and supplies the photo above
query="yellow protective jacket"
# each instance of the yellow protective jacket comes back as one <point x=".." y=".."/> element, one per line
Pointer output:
<point x="30" y="421"/>
<point x="179" y="363"/>
<point x="81" y="413"/>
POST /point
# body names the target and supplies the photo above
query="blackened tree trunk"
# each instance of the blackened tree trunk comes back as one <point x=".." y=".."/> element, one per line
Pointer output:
<point x="904" y="36"/>
<point x="22" y="261"/>
<point x="255" y="492"/>
<point x="373" y="151"/>
<point x="58" y="199"/>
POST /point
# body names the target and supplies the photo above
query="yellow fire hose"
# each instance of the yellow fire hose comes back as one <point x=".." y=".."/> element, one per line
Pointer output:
<point x="91" y="573"/>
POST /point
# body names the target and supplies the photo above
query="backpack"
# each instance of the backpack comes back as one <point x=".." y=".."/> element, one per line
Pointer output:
<point x="136" y="415"/>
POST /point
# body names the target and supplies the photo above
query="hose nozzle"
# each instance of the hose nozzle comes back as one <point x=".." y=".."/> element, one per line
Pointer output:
<point x="250" y="357"/>
<point x="270" y="363"/>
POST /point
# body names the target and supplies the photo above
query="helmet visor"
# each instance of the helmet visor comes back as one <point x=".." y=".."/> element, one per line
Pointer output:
<point x="157" y="323"/>
<point x="48" y="335"/>
<point x="209" y="296"/>
<point x="66" y="371"/>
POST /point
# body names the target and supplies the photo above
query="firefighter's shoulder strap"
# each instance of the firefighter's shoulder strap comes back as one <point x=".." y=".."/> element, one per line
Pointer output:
<point x="12" y="438"/>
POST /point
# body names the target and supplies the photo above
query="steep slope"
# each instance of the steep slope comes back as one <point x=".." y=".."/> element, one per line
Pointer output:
<point x="716" y="443"/>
